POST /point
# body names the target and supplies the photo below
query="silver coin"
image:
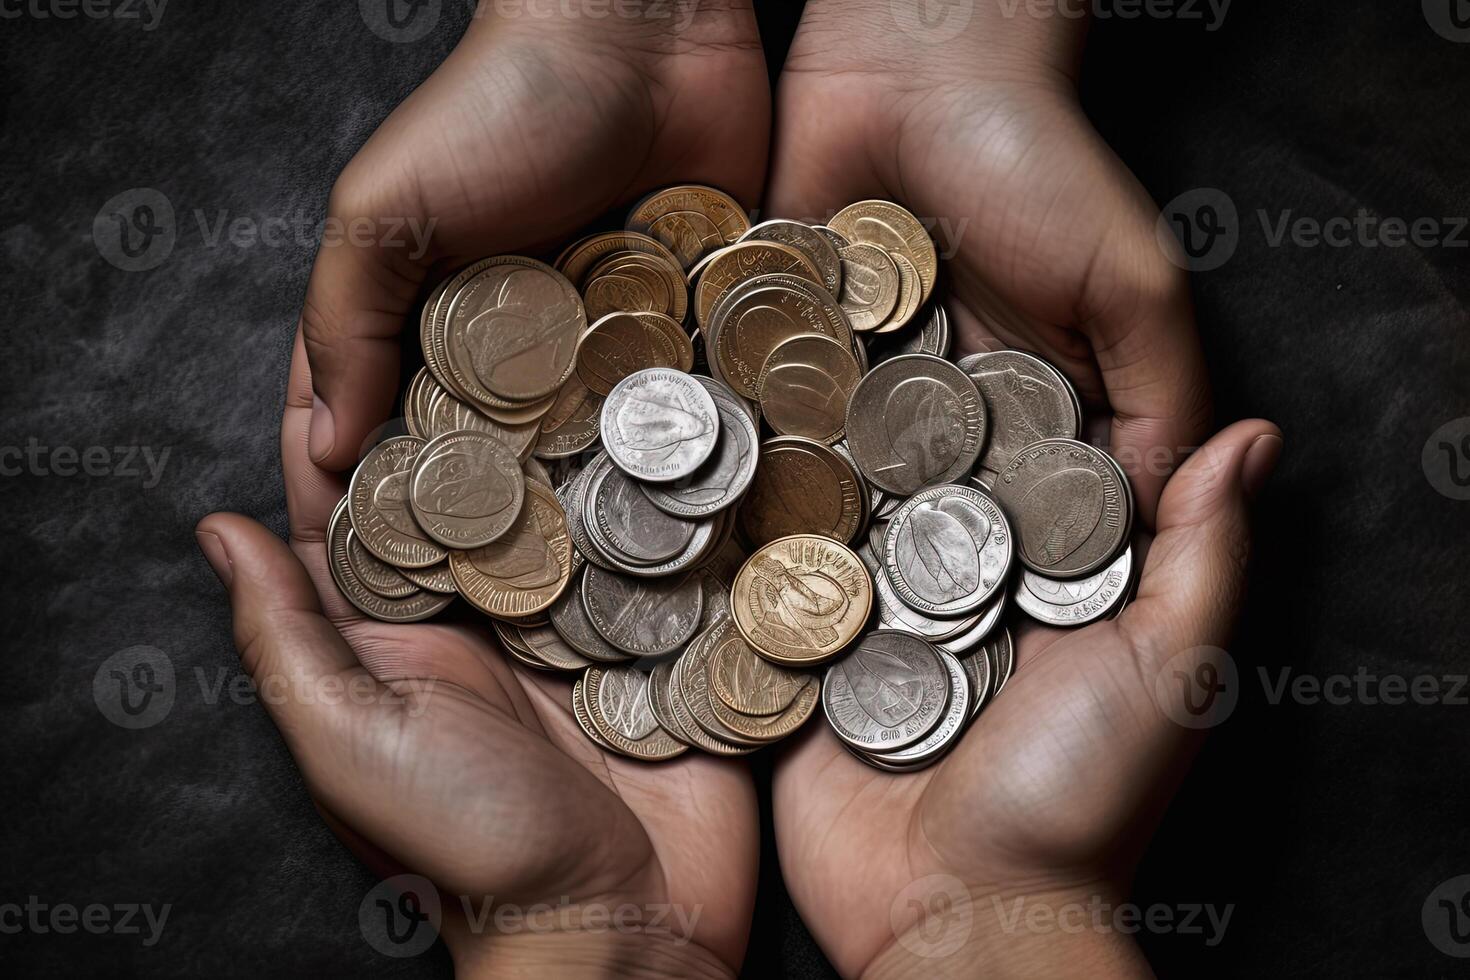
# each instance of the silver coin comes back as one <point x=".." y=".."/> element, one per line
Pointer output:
<point x="724" y="478"/>
<point x="718" y="390"/>
<point x="837" y="241"/>
<point x="1002" y="663"/>
<point x="701" y="543"/>
<point x="546" y="644"/>
<point x="628" y="521"/>
<point x="1029" y="400"/>
<point x="806" y="240"/>
<point x="956" y="716"/>
<point x="914" y="422"/>
<point x="659" y="699"/>
<point x="985" y="621"/>
<point x="981" y="666"/>
<point x="933" y="338"/>
<point x="1076" y="602"/>
<point x="659" y="425"/>
<point x="948" y="550"/>
<point x="875" y="495"/>
<point x="1071" y="506"/>
<point x="644" y="617"/>
<point x="894" y="615"/>
<point x="889" y="693"/>
<point x="569" y="618"/>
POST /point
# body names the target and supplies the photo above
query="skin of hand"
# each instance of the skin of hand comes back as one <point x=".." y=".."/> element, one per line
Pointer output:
<point x="1050" y="240"/>
<point x="461" y="766"/>
<point x="1051" y="796"/>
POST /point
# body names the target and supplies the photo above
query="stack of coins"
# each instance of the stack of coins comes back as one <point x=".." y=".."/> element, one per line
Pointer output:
<point x="723" y="472"/>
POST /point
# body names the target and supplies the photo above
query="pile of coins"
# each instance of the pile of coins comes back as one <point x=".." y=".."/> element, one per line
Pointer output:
<point x="696" y="460"/>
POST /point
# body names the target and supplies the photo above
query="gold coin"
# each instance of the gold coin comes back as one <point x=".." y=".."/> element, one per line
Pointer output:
<point x="620" y="344"/>
<point x="748" y="684"/>
<point x="408" y="609"/>
<point x="746" y="261"/>
<point x="524" y="571"/>
<point x="897" y="231"/>
<point x="800" y="600"/>
<point x="581" y="257"/>
<point x="691" y="220"/>
<point x="909" y="299"/>
<point x="770" y="728"/>
<point x="805" y="385"/>
<point x="511" y="332"/>
<point x="572" y="424"/>
<point x="870" y="284"/>
<point x="802" y="487"/>
<point x="631" y="282"/>
<point x="378" y="505"/>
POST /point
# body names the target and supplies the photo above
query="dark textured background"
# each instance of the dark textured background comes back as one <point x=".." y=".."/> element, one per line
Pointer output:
<point x="1326" y="826"/>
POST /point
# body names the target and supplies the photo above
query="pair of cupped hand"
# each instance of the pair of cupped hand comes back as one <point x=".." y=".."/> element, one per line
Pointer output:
<point x="534" y="127"/>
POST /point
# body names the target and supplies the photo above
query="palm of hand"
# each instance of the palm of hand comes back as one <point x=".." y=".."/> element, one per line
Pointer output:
<point x="481" y="780"/>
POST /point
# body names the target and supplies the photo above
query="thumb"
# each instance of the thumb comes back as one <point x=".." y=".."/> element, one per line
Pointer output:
<point x="286" y="645"/>
<point x="1194" y="576"/>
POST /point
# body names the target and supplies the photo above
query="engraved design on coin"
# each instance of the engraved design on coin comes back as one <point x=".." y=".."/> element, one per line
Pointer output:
<point x="1076" y="602"/>
<point x="725" y="476"/>
<point x="1071" y="507"/>
<point x="915" y="421"/>
<point x="1028" y="399"/>
<point x="466" y="489"/>
<point x="888" y="694"/>
<point x="948" y="550"/>
<point x="523" y="571"/>
<point x="642" y="616"/>
<point x="378" y="504"/>
<point x="659" y="425"/>
<point x="802" y="599"/>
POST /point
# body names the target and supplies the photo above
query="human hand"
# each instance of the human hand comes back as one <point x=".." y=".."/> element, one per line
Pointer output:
<point x="1051" y="241"/>
<point x="451" y="762"/>
<point x="1054" y="791"/>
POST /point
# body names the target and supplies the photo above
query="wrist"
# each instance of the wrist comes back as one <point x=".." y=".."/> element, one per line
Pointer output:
<point x="562" y="954"/>
<point x="1016" y="932"/>
<point x="627" y="27"/>
<point x="1010" y="40"/>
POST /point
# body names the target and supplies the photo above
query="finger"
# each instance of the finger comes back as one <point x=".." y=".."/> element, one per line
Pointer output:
<point x="286" y="646"/>
<point x="1193" y="578"/>
<point x="311" y="491"/>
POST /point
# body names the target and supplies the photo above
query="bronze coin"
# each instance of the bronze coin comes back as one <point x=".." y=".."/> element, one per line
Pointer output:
<point x="633" y="282"/>
<point x="411" y="608"/>
<point x="376" y="574"/>
<point x="802" y="487"/>
<point x="915" y="421"/>
<point x="896" y="231"/>
<point x="466" y="489"/>
<point x="806" y="240"/>
<point x="581" y="257"/>
<point x="801" y="600"/>
<point x="749" y="684"/>
<point x="910" y="297"/>
<point x="524" y="571"/>
<point x="435" y="578"/>
<point x="617" y="705"/>
<point x="753" y="323"/>
<point x="691" y="220"/>
<point x="805" y="386"/>
<point x="870" y="285"/>
<point x="621" y="343"/>
<point x="745" y="261"/>
<point x="769" y="728"/>
<point x="573" y="423"/>
<point x="446" y="413"/>
<point x="512" y="331"/>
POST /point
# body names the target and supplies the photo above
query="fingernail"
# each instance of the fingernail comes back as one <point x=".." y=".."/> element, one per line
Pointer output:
<point x="216" y="555"/>
<point x="323" y="433"/>
<point x="1260" y="462"/>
